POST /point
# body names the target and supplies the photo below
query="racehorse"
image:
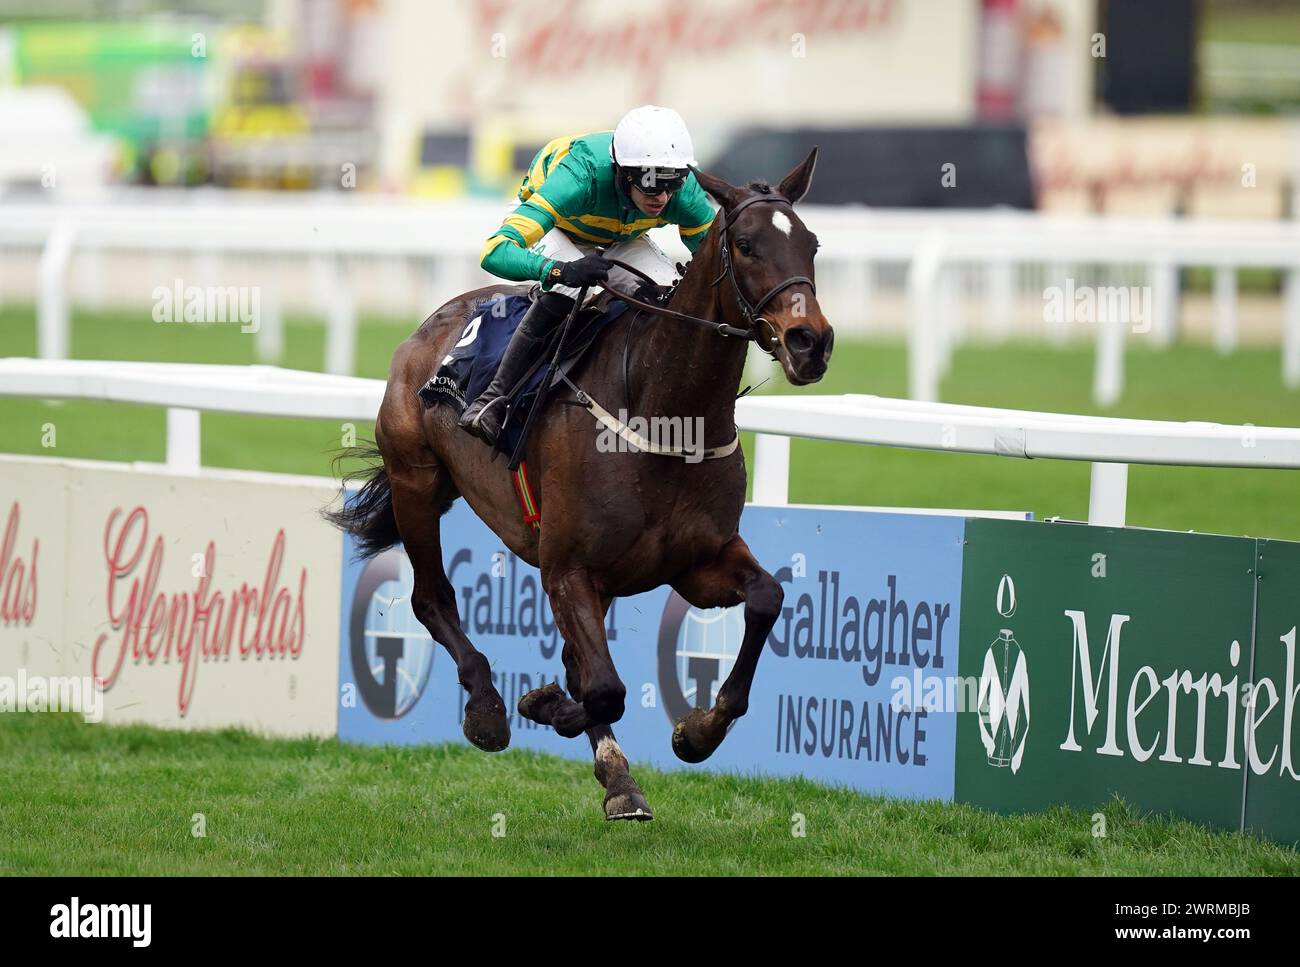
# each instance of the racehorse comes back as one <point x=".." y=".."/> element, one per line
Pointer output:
<point x="613" y="523"/>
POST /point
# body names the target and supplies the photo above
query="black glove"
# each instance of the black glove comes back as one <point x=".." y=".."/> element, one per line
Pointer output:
<point x="588" y="270"/>
<point x="649" y="292"/>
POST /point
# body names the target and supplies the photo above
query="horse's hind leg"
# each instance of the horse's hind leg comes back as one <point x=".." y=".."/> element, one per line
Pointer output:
<point x="419" y="498"/>
<point x="732" y="577"/>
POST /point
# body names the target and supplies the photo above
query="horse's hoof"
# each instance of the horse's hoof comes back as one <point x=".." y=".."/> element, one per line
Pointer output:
<point x="488" y="730"/>
<point x="683" y="748"/>
<point x="570" y="720"/>
<point x="628" y="805"/>
<point x="692" y="737"/>
<point x="640" y="814"/>
<point x="539" y="704"/>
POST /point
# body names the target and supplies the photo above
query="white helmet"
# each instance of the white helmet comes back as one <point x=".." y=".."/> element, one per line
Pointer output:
<point x="652" y="137"/>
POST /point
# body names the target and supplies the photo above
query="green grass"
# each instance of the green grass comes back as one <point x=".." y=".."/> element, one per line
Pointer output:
<point x="1182" y="383"/>
<point x="94" y="800"/>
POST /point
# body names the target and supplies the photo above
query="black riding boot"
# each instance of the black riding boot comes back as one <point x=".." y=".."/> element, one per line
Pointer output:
<point x="484" y="417"/>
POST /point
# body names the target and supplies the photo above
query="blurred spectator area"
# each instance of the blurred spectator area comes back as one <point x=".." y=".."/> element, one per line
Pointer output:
<point x="915" y="103"/>
<point x="915" y="166"/>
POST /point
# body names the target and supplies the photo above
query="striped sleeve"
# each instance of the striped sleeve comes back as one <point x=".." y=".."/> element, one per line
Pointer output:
<point x="561" y="195"/>
<point x="692" y="213"/>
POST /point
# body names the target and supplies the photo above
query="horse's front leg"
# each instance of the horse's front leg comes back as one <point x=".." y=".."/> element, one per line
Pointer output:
<point x="549" y="705"/>
<point x="579" y="612"/>
<point x="731" y="578"/>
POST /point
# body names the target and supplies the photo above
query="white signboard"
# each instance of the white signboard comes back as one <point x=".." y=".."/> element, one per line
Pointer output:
<point x="198" y="602"/>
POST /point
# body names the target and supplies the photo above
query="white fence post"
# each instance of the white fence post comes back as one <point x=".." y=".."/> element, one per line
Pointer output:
<point x="268" y="340"/>
<point x="183" y="441"/>
<point x="923" y="334"/>
<point x="1108" y="496"/>
<point x="1291" y="330"/>
<point x="771" y="469"/>
<point x="52" y="323"/>
<point x="341" y="331"/>
<point x="1108" y="372"/>
<point x="1225" y="309"/>
<point x="1163" y="279"/>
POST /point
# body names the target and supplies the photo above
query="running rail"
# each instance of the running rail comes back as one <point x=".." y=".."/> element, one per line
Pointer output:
<point x="1108" y="443"/>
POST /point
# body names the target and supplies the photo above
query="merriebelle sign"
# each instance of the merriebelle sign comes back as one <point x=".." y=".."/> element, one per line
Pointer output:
<point x="1209" y="694"/>
<point x="1161" y="666"/>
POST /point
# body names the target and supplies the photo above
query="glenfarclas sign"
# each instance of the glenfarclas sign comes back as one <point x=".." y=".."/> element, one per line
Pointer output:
<point x="17" y="576"/>
<point x="187" y="627"/>
<point x="560" y="41"/>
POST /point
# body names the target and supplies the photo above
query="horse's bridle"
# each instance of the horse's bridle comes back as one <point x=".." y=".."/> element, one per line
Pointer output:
<point x="750" y="312"/>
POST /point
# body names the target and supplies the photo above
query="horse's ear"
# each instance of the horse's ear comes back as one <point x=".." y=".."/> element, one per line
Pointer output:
<point x="796" y="184"/>
<point x="724" y="193"/>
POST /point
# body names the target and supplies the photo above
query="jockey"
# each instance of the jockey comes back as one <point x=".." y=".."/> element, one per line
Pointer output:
<point x="581" y="195"/>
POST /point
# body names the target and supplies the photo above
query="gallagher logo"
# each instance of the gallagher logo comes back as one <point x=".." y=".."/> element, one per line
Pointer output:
<point x="697" y="650"/>
<point x="392" y="654"/>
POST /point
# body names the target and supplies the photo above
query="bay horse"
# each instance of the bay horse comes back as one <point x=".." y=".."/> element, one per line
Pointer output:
<point x="613" y="523"/>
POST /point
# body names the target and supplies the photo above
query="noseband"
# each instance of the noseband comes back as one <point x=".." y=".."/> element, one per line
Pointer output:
<point x="750" y="312"/>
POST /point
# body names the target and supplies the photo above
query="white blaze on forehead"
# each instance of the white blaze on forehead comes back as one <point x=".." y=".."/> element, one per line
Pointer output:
<point x="782" y="222"/>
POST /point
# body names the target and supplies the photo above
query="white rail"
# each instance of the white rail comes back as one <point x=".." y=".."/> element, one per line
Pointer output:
<point x="1109" y="443"/>
<point x="328" y="228"/>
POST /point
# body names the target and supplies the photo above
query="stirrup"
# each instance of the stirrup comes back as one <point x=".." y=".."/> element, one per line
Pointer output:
<point x="475" y="426"/>
<point x="478" y="417"/>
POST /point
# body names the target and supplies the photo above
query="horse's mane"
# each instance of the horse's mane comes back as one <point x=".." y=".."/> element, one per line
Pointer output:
<point x="762" y="187"/>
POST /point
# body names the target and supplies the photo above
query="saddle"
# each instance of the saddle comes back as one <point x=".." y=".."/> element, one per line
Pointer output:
<point x="466" y="371"/>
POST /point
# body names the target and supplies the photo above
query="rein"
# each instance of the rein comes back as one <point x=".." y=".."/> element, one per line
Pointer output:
<point x="721" y="328"/>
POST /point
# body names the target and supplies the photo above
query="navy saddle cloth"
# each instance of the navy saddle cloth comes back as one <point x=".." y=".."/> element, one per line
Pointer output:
<point x="466" y="371"/>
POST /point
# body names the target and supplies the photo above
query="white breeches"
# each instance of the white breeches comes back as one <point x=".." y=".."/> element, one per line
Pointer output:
<point x="641" y="253"/>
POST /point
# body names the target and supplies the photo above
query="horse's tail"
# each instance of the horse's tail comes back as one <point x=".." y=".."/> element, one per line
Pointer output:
<point x="368" y="516"/>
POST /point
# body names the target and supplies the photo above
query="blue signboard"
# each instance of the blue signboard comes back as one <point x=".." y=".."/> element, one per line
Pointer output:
<point x="870" y="619"/>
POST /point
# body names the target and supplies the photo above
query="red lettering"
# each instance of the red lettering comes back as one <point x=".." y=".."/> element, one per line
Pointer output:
<point x="166" y="635"/>
<point x="17" y="605"/>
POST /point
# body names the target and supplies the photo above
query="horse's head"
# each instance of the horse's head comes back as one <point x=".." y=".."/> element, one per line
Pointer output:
<point x="769" y="252"/>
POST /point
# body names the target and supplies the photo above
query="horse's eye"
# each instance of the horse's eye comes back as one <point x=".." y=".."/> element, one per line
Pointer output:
<point x="743" y="245"/>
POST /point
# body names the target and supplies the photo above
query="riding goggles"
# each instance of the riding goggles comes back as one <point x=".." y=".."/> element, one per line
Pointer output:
<point x="652" y="181"/>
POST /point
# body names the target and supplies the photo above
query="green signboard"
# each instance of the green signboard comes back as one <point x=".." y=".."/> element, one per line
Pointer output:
<point x="1107" y="661"/>
<point x="1273" y="785"/>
